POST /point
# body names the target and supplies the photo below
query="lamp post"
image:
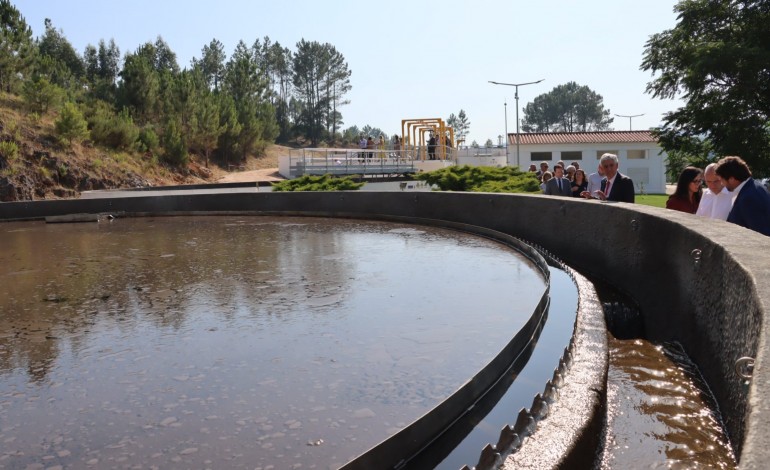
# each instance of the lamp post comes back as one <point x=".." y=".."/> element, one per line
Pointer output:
<point x="505" y="104"/>
<point x="516" y="96"/>
<point x="629" y="118"/>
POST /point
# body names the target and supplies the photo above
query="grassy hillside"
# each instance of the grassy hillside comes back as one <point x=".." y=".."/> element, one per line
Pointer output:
<point x="34" y="164"/>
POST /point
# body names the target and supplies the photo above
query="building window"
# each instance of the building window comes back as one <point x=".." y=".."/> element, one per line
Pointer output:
<point x="599" y="153"/>
<point x="541" y="156"/>
<point x="572" y="155"/>
<point x="637" y="154"/>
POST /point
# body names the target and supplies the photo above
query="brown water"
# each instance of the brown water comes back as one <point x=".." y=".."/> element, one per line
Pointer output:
<point x="239" y="342"/>
<point x="658" y="414"/>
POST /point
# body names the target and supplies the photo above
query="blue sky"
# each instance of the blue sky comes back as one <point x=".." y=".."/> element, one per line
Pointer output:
<point x="410" y="59"/>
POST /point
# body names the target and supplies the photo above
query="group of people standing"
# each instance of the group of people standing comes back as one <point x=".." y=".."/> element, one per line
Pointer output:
<point x="434" y="141"/>
<point x="607" y="183"/>
<point x="369" y="143"/>
<point x="731" y="194"/>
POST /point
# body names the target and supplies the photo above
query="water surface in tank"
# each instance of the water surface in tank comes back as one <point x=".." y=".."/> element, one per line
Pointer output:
<point x="240" y="342"/>
<point x="660" y="413"/>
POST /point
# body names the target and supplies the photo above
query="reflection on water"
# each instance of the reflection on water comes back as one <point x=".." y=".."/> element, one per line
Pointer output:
<point x="658" y="416"/>
<point x="239" y="342"/>
<point x="525" y="383"/>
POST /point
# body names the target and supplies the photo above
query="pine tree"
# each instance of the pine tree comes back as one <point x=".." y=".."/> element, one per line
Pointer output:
<point x="212" y="63"/>
<point x="206" y="127"/>
<point x="16" y="46"/>
<point x="40" y="95"/>
<point x="462" y="126"/>
<point x="58" y="59"/>
<point x="71" y="126"/>
<point x="174" y="144"/>
<point x="567" y="108"/>
<point x="227" y="144"/>
<point x="139" y="87"/>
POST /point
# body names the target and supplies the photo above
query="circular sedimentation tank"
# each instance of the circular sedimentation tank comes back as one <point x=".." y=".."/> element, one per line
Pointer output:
<point x="235" y="340"/>
<point x="563" y="425"/>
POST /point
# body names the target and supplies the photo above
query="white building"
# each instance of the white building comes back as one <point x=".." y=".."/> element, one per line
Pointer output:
<point x="641" y="156"/>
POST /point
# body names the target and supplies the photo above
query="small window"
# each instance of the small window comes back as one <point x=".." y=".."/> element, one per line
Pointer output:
<point x="572" y="155"/>
<point x="541" y="156"/>
<point x="637" y="154"/>
<point x="599" y="153"/>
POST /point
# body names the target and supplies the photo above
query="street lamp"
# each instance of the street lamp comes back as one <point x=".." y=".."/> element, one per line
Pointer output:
<point x="517" y="85"/>
<point x="629" y="118"/>
<point x="505" y="104"/>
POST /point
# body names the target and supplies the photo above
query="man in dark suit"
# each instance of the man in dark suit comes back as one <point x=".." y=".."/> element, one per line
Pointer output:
<point x="615" y="186"/>
<point x="558" y="185"/>
<point x="751" y="207"/>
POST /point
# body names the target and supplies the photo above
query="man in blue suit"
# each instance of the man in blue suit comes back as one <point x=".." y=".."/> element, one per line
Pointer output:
<point x="751" y="206"/>
<point x="558" y="185"/>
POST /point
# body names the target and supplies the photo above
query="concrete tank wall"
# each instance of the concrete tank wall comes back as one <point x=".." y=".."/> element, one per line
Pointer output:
<point x="703" y="283"/>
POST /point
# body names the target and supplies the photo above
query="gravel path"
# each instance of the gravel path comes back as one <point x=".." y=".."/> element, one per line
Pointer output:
<point x="266" y="174"/>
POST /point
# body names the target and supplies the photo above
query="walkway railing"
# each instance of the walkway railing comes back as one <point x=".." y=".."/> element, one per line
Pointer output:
<point x="364" y="162"/>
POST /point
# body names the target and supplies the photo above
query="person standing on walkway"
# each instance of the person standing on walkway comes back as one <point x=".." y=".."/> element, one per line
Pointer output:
<point x="362" y="146"/>
<point x="432" y="147"/>
<point x="370" y="146"/>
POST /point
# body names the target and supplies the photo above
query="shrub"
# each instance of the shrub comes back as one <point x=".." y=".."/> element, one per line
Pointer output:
<point x="482" y="179"/>
<point x="40" y="95"/>
<point x="12" y="129"/>
<point x="113" y="131"/>
<point x="148" y="140"/>
<point x="317" y="183"/>
<point x="45" y="173"/>
<point x="71" y="126"/>
<point x="9" y="151"/>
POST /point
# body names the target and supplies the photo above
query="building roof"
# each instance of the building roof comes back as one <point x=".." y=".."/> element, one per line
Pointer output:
<point x="598" y="137"/>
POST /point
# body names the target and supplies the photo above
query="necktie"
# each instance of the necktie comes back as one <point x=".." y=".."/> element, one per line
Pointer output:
<point x="607" y="189"/>
<point x="559" y="182"/>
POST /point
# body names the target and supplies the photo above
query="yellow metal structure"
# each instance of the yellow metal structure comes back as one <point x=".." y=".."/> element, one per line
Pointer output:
<point x="413" y="132"/>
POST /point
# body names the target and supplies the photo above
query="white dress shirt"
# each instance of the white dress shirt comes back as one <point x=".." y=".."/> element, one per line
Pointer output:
<point x="594" y="183"/>
<point x="715" y="206"/>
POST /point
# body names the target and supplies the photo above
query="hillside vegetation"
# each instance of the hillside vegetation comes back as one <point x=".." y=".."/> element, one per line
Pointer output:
<point x="35" y="164"/>
<point x="72" y="121"/>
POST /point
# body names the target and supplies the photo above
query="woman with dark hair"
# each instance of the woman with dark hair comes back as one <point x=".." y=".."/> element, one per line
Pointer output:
<point x="688" y="192"/>
<point x="580" y="183"/>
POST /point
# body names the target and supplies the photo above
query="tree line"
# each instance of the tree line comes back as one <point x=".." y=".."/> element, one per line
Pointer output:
<point x="717" y="58"/>
<point x="219" y="107"/>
